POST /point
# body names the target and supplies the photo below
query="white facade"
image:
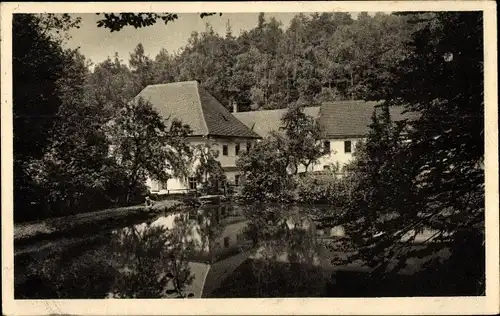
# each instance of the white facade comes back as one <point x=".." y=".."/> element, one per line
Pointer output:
<point x="341" y="153"/>
<point x="228" y="155"/>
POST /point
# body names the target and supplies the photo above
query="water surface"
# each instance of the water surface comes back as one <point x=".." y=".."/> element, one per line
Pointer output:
<point x="213" y="251"/>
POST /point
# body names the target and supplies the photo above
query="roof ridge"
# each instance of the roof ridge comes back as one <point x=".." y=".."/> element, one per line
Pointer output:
<point x="200" y="107"/>
<point x="171" y="83"/>
<point x="275" y="110"/>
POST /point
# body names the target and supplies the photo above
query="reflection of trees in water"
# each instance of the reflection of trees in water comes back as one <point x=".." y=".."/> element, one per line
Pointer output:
<point x="67" y="275"/>
<point x="210" y="221"/>
<point x="144" y="261"/>
<point x="286" y="251"/>
<point x="153" y="261"/>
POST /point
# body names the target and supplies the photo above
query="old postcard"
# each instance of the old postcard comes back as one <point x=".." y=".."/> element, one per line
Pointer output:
<point x="250" y="158"/>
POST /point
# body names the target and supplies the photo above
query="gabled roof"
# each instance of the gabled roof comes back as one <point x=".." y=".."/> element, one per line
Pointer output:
<point x="188" y="102"/>
<point x="264" y="121"/>
<point x="337" y="119"/>
<point x="351" y="118"/>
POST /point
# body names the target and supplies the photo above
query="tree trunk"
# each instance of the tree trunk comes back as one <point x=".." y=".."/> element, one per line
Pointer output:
<point x="132" y="183"/>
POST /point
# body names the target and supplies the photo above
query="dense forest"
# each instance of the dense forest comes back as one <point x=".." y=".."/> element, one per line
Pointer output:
<point x="319" y="57"/>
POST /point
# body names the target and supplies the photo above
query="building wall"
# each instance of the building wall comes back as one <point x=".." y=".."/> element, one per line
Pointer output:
<point x="337" y="154"/>
<point x="232" y="235"/>
<point x="176" y="185"/>
<point x="229" y="160"/>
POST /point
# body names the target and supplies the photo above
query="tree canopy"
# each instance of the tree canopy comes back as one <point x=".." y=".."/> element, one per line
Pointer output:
<point x="319" y="57"/>
<point x="116" y="21"/>
<point x="434" y="180"/>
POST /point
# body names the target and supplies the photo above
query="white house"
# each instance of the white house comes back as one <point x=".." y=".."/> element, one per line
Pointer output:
<point x="343" y="124"/>
<point x="211" y="124"/>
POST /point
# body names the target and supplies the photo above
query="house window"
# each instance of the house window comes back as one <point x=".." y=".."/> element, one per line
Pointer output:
<point x="237" y="149"/>
<point x="237" y="179"/>
<point x="224" y="150"/>
<point x="192" y="183"/>
<point x="347" y="146"/>
<point x="226" y="242"/>
<point x="326" y="146"/>
<point x="249" y="146"/>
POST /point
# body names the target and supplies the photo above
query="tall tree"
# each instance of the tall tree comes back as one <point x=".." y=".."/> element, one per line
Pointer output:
<point x="38" y="61"/>
<point x="441" y="80"/>
<point x="110" y="85"/>
<point x="264" y="170"/>
<point x="147" y="146"/>
<point x="142" y="68"/>
<point x="449" y="49"/>
<point x="165" y="69"/>
<point x="74" y="171"/>
<point x="303" y="134"/>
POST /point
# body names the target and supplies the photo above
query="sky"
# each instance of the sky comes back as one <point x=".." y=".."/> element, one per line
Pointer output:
<point x="97" y="44"/>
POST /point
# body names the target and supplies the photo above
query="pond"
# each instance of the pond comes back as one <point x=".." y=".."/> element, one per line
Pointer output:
<point x="222" y="251"/>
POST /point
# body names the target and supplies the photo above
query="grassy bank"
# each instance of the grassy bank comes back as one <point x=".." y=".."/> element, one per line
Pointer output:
<point x="87" y="222"/>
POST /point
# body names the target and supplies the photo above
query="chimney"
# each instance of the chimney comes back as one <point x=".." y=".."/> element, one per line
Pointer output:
<point x="235" y="107"/>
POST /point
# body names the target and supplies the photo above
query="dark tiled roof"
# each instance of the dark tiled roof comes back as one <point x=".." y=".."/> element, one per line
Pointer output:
<point x="220" y="122"/>
<point x="351" y="118"/>
<point x="337" y="119"/>
<point x="193" y="105"/>
<point x="264" y="121"/>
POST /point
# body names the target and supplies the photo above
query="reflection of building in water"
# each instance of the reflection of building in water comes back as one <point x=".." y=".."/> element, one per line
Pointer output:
<point x="298" y="221"/>
<point x="214" y="232"/>
<point x="297" y="245"/>
<point x="220" y="236"/>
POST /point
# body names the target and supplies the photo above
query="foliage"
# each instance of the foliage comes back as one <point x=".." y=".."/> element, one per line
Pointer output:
<point x="303" y="134"/>
<point x="145" y="146"/>
<point x="325" y="188"/>
<point x="38" y="62"/>
<point x="264" y="170"/>
<point x="141" y="69"/>
<point x="435" y="180"/>
<point x="208" y="170"/>
<point x="115" y="22"/>
<point x="75" y="170"/>
<point x="319" y="57"/>
<point x="268" y="167"/>
<point x="382" y="192"/>
<point x="109" y="86"/>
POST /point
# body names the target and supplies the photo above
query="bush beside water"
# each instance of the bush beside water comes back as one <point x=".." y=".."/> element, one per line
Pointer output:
<point x="325" y="188"/>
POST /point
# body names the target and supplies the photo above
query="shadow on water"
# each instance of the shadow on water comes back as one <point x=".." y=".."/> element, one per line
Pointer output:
<point x="220" y="251"/>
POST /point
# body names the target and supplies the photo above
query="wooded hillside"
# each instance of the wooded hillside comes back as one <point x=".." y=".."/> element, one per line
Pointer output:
<point x="319" y="57"/>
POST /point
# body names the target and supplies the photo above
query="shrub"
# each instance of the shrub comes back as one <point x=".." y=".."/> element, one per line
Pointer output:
<point x="324" y="188"/>
<point x="264" y="172"/>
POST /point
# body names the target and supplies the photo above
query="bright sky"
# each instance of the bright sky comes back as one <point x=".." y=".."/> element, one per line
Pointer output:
<point x="99" y="43"/>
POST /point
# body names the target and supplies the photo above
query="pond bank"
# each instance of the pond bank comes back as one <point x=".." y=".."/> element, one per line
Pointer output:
<point x="61" y="226"/>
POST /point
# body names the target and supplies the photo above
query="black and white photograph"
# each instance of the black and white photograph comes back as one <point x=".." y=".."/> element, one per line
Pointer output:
<point x="248" y="154"/>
